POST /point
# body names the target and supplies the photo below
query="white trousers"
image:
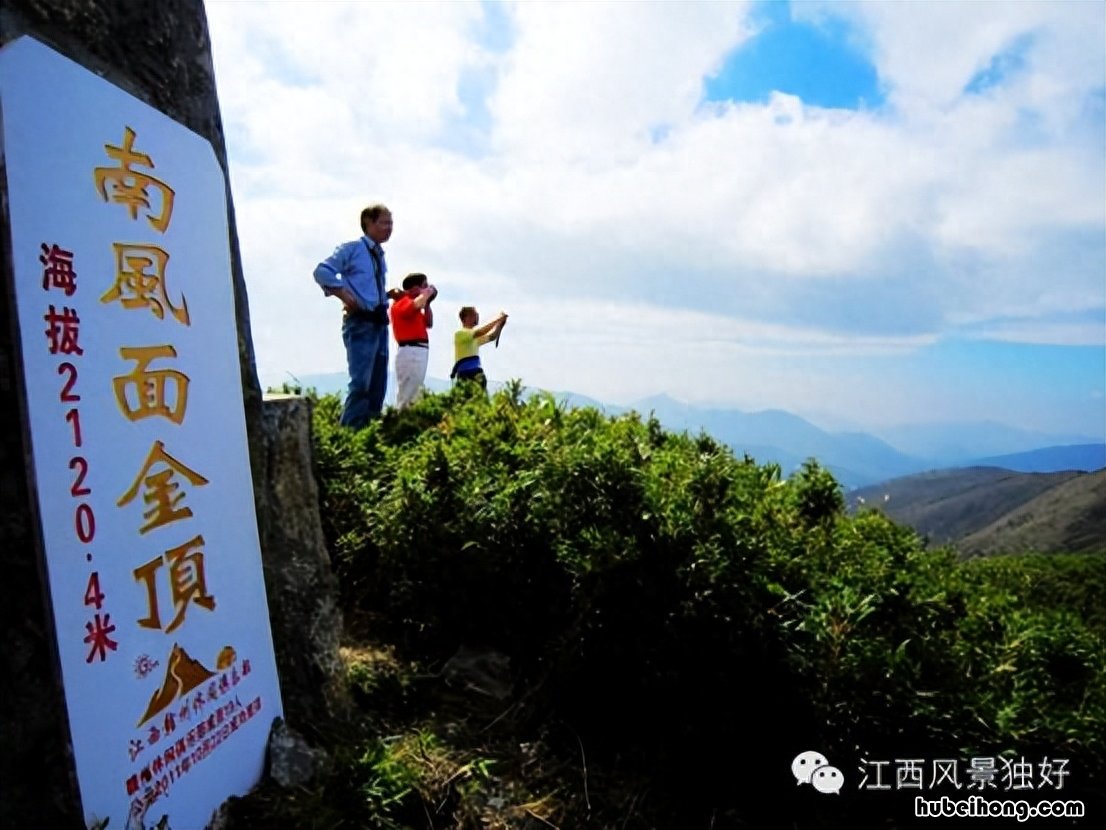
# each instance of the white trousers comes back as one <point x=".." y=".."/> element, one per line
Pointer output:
<point x="410" y="373"/>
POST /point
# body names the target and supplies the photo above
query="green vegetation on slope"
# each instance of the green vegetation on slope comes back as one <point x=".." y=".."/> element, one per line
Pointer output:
<point x="680" y="623"/>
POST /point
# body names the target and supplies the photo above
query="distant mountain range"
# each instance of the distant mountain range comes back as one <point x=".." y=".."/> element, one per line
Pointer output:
<point x="857" y="459"/>
<point x="1086" y="457"/>
<point x="987" y="510"/>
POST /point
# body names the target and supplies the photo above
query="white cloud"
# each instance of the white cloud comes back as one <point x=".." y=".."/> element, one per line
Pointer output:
<point x="1054" y="333"/>
<point x="588" y="83"/>
<point x="927" y="53"/>
<point x="611" y="210"/>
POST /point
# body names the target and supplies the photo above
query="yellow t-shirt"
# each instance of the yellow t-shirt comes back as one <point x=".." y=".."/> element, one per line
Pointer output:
<point x="464" y="344"/>
<point x="467" y="344"/>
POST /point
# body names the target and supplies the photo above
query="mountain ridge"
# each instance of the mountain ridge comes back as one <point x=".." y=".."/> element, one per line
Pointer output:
<point x="1086" y="457"/>
<point x="1070" y="516"/>
<point x="856" y="458"/>
<point x="991" y="510"/>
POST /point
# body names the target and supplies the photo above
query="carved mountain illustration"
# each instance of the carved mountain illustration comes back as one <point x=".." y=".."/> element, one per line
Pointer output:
<point x="182" y="675"/>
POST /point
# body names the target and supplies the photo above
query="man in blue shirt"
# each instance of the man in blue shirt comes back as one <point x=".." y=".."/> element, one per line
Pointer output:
<point x="355" y="273"/>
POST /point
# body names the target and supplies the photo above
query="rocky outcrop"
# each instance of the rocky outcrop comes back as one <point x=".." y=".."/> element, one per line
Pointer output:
<point x="302" y="589"/>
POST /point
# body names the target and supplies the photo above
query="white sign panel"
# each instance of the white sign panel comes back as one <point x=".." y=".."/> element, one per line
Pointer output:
<point x="126" y="315"/>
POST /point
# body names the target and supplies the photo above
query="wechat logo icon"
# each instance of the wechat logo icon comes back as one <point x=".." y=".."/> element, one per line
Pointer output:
<point x="812" y="768"/>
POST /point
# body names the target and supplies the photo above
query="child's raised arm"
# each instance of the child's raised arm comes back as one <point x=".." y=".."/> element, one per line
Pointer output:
<point x="492" y="327"/>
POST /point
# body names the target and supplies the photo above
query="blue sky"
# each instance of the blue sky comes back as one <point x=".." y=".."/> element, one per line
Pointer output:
<point x="865" y="213"/>
<point x="823" y="63"/>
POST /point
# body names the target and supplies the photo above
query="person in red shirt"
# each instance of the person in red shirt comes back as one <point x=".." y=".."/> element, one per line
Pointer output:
<point x="411" y="317"/>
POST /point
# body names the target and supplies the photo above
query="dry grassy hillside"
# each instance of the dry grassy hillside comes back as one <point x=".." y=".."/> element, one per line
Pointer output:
<point x="1068" y="517"/>
<point x="991" y="510"/>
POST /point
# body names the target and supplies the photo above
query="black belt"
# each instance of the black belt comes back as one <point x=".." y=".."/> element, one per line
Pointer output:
<point x="423" y="344"/>
<point x="377" y="315"/>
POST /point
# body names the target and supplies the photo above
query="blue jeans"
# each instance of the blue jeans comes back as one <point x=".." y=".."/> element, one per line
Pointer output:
<point x="367" y="357"/>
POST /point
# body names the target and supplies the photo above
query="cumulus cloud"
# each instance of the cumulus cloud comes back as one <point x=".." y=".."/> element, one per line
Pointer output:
<point x="591" y="83"/>
<point x="585" y="175"/>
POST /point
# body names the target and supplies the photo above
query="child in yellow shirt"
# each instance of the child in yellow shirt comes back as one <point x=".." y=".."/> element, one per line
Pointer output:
<point x="467" y="342"/>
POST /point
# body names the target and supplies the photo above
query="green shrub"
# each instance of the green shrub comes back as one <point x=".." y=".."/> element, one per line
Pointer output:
<point x="663" y="597"/>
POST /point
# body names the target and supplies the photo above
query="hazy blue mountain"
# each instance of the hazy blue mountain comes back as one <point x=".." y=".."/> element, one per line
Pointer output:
<point x="862" y="458"/>
<point x="857" y="459"/>
<point x="784" y="438"/>
<point x="957" y="444"/>
<point x="571" y="399"/>
<point x="1084" y="457"/>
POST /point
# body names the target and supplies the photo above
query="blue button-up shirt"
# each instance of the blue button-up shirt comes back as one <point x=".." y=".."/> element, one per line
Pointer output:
<point x="351" y="266"/>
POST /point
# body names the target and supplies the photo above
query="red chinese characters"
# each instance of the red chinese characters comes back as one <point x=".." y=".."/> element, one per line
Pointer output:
<point x="63" y="330"/>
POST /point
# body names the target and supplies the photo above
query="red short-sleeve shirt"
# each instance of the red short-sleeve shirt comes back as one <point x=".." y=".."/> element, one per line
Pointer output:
<point x="408" y="322"/>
